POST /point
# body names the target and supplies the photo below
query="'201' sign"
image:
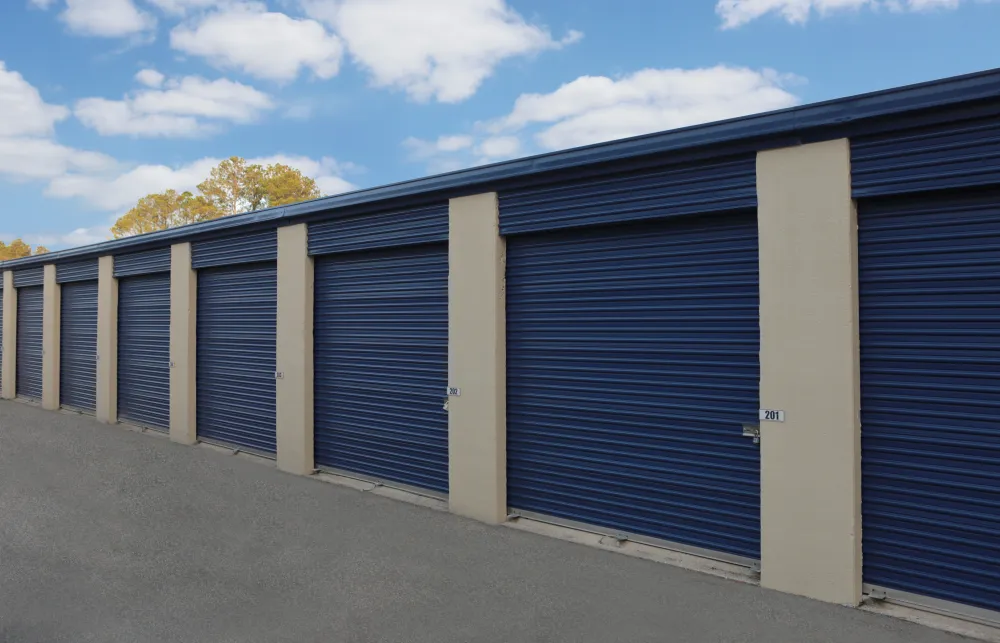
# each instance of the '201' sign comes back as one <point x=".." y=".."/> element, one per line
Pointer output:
<point x="771" y="415"/>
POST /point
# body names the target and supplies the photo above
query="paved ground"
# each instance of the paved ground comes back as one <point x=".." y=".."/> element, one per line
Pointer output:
<point x="109" y="535"/>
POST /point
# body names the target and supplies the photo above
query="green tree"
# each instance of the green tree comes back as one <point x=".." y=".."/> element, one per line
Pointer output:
<point x="232" y="187"/>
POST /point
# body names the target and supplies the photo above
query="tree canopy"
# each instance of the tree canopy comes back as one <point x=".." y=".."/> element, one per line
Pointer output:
<point x="232" y="187"/>
<point x="17" y="249"/>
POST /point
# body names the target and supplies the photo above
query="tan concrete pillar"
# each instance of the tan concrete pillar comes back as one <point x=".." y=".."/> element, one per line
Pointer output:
<point x="477" y="360"/>
<point x="9" y="364"/>
<point x="809" y="358"/>
<point x="51" y="327"/>
<point x="183" y="344"/>
<point x="295" y="351"/>
<point x="107" y="341"/>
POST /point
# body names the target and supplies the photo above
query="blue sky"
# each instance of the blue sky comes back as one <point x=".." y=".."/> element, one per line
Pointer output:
<point x="103" y="101"/>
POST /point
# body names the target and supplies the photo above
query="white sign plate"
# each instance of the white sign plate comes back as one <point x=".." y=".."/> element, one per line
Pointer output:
<point x="771" y="415"/>
<point x="454" y="391"/>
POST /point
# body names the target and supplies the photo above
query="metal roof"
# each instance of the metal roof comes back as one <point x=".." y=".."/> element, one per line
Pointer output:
<point x="828" y="119"/>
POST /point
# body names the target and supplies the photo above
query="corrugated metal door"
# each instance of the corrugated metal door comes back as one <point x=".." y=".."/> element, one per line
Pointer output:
<point x="29" y="342"/>
<point x="144" y="350"/>
<point x="930" y="409"/>
<point x="237" y="318"/>
<point x="632" y="364"/>
<point x="78" y="346"/>
<point x="381" y="356"/>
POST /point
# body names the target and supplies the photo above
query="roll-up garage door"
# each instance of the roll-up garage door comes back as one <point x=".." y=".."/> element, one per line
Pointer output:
<point x="29" y="342"/>
<point x="381" y="346"/>
<point x="632" y="365"/>
<point x="78" y="346"/>
<point x="237" y="317"/>
<point x="144" y="350"/>
<point x="381" y="351"/>
<point x="930" y="376"/>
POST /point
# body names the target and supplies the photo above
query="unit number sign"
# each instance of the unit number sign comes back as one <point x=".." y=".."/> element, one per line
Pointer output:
<point x="771" y="415"/>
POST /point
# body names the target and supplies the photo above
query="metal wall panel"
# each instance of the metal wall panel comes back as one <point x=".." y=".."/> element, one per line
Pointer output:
<point x="144" y="350"/>
<point x="78" y="346"/>
<point x="958" y="153"/>
<point x="414" y="226"/>
<point x="237" y="334"/>
<point x="85" y="270"/>
<point x="252" y="247"/>
<point x="930" y="413"/>
<point x="381" y="364"/>
<point x="694" y="188"/>
<point x="29" y="342"/>
<point x="142" y="263"/>
<point x="29" y="277"/>
<point x="632" y="364"/>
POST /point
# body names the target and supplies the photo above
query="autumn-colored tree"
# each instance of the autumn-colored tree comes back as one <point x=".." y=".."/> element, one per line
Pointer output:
<point x="17" y="249"/>
<point x="164" y="210"/>
<point x="233" y="187"/>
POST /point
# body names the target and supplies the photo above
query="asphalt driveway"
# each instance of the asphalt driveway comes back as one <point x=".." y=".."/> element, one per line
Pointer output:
<point x="111" y="535"/>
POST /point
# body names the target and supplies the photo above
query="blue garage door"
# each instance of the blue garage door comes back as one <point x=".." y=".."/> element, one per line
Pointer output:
<point x="78" y="346"/>
<point x="381" y="355"/>
<point x="144" y="350"/>
<point x="632" y="364"/>
<point x="237" y="317"/>
<point x="29" y="342"/>
<point x="930" y="410"/>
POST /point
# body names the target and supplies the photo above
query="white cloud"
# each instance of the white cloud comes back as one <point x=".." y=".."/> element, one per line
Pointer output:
<point x="434" y="49"/>
<point x="108" y="18"/>
<point x="261" y="43"/>
<point x="180" y="7"/>
<point x="120" y="192"/>
<point x="42" y="4"/>
<point x="27" y="124"/>
<point x="421" y="149"/>
<point x="22" y="110"/>
<point x="735" y="13"/>
<point x="499" y="147"/>
<point x="72" y="239"/>
<point x="150" y="78"/>
<point x="592" y="109"/>
<point x="180" y="109"/>
<point x="42" y="158"/>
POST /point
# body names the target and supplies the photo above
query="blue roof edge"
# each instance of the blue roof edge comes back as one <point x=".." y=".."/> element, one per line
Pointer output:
<point x="827" y="114"/>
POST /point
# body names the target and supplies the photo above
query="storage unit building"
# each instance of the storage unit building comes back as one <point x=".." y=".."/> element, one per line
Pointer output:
<point x="144" y="338"/>
<point x="644" y="282"/>
<point x="30" y="299"/>
<point x="929" y="243"/>
<point x="381" y="345"/>
<point x="632" y="340"/>
<point x="237" y="314"/>
<point x="78" y="335"/>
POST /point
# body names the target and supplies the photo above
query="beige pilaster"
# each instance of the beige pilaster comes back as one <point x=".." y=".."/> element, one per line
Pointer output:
<point x="477" y="361"/>
<point x="107" y="341"/>
<point x="9" y="364"/>
<point x="51" y="327"/>
<point x="183" y="344"/>
<point x="295" y="351"/>
<point x="809" y="358"/>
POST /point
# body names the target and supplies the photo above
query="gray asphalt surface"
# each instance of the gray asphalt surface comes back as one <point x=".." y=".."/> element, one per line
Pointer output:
<point x="110" y="535"/>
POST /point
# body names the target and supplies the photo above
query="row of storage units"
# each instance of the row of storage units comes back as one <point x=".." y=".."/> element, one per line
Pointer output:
<point x="632" y="351"/>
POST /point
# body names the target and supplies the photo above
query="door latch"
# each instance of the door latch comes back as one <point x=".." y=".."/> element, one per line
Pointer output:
<point x="752" y="431"/>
